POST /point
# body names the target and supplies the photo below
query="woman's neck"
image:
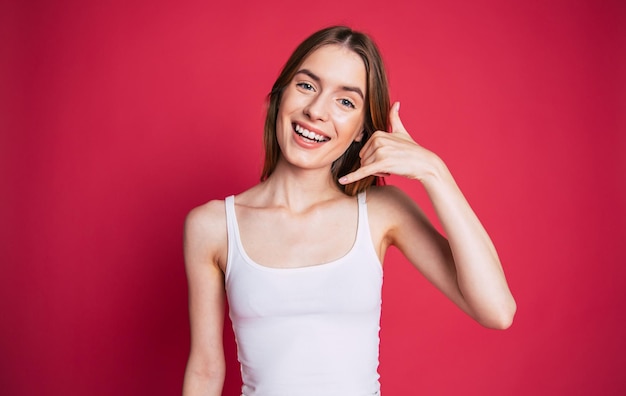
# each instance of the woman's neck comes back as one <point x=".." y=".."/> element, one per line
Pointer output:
<point x="299" y="189"/>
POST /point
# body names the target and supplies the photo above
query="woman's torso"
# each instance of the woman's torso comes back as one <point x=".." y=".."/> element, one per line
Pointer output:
<point x="306" y="323"/>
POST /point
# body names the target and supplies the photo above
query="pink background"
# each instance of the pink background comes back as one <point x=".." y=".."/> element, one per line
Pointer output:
<point x="118" y="117"/>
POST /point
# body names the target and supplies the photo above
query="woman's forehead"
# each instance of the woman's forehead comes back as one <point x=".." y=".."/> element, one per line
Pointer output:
<point x="336" y="64"/>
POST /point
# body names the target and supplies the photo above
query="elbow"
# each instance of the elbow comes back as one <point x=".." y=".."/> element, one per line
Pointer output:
<point x="202" y="377"/>
<point x="501" y="323"/>
<point x="502" y="318"/>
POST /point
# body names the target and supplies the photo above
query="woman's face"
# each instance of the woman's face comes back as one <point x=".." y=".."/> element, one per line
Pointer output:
<point x="322" y="109"/>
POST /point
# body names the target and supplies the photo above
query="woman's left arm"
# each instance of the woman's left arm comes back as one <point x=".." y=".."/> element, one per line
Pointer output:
<point x="465" y="266"/>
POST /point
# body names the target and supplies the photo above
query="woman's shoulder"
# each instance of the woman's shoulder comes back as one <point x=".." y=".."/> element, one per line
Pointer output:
<point x="208" y="213"/>
<point x="209" y="219"/>
<point x="206" y="234"/>
<point x="385" y="196"/>
<point x="390" y="204"/>
<point x="213" y="212"/>
<point x="206" y="224"/>
<point x="386" y="211"/>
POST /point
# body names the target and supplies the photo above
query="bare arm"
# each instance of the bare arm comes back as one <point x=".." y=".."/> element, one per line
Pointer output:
<point x="205" y="238"/>
<point x="465" y="266"/>
<point x="479" y="274"/>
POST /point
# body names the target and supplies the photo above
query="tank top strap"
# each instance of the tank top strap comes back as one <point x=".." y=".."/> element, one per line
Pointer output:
<point x="232" y="230"/>
<point x="364" y="234"/>
<point x="363" y="228"/>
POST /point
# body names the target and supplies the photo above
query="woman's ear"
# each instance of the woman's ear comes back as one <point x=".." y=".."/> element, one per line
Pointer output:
<point x="359" y="137"/>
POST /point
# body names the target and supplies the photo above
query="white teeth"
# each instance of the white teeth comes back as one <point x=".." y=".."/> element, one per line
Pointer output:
<point x="310" y="135"/>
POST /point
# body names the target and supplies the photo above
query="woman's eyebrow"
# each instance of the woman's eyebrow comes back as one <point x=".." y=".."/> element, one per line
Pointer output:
<point x="316" y="78"/>
<point x="309" y="73"/>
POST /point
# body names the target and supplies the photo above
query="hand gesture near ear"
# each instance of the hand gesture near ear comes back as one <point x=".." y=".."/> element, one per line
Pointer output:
<point x="394" y="153"/>
<point x="465" y="266"/>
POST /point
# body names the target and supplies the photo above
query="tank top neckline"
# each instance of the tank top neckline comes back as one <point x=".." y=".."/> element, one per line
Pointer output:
<point x="232" y="219"/>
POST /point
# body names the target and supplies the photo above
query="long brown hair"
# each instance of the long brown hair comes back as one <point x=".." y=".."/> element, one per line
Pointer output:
<point x="377" y="98"/>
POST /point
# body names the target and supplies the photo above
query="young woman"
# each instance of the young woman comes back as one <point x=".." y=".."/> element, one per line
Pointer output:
<point x="299" y="256"/>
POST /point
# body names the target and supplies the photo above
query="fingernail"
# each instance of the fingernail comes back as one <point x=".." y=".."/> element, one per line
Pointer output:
<point x="398" y="107"/>
<point x="343" y="180"/>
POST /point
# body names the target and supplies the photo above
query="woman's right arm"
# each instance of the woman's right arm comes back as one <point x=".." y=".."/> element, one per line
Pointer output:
<point x="205" y="248"/>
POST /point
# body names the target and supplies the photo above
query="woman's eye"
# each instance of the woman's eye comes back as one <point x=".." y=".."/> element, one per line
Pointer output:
<point x="347" y="103"/>
<point x="305" y="86"/>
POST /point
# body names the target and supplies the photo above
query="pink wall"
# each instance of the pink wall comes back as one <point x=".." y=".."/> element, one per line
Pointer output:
<point x="118" y="117"/>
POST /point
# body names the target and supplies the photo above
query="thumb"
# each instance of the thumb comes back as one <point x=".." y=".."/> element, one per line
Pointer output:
<point x="394" y="119"/>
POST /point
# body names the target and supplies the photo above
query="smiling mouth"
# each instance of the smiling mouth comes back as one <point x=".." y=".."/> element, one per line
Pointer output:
<point x="308" y="135"/>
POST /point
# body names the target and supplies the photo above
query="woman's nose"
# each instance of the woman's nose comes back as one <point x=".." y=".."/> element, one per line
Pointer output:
<point x="317" y="109"/>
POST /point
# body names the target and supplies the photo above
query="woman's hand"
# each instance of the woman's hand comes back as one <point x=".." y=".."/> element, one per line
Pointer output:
<point x="393" y="153"/>
<point x="464" y="265"/>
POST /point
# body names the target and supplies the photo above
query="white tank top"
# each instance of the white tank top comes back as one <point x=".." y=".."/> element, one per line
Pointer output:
<point x="308" y="331"/>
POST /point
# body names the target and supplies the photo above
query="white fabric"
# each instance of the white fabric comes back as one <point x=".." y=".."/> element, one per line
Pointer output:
<point x="306" y="331"/>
